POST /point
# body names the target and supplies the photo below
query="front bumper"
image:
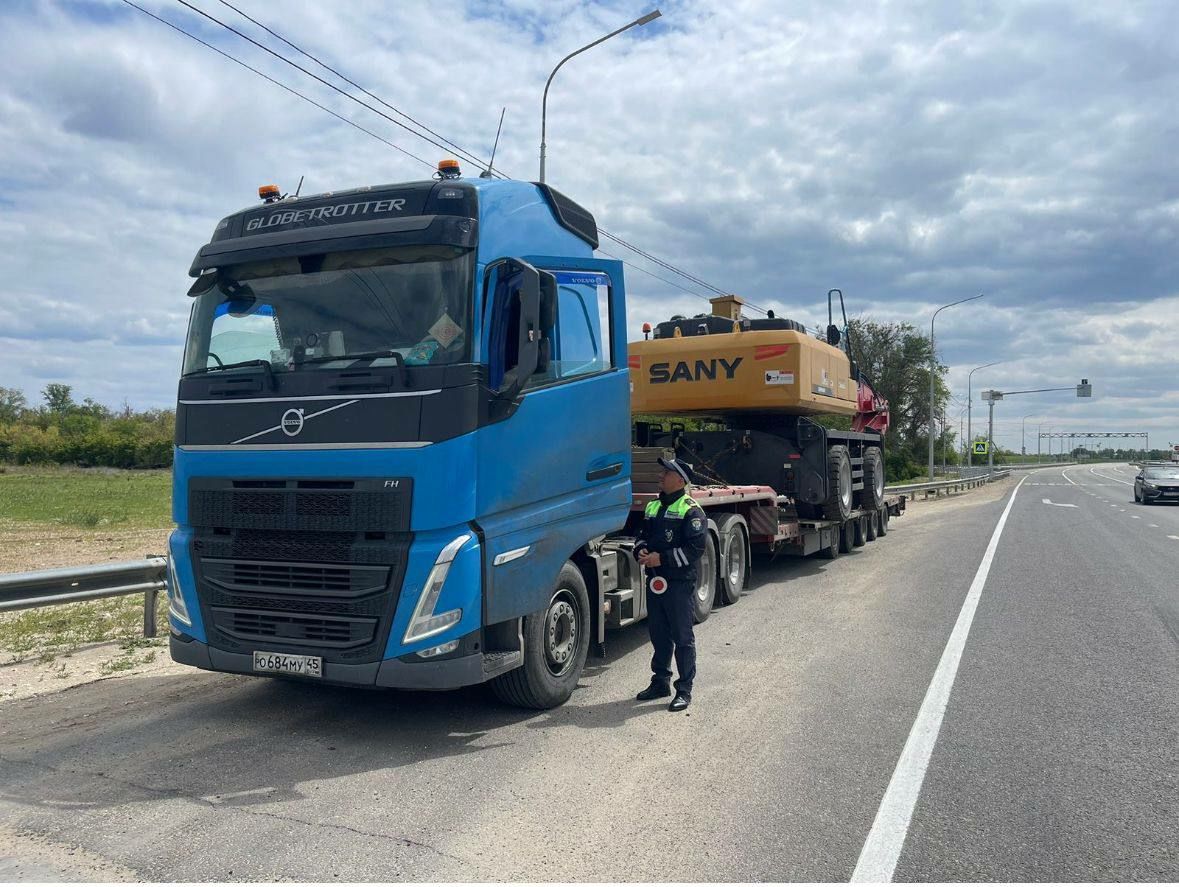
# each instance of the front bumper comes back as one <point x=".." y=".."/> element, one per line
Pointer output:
<point x="1163" y="494"/>
<point x="425" y="674"/>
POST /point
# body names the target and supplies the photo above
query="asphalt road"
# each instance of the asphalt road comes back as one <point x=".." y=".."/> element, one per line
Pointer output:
<point x="1056" y="758"/>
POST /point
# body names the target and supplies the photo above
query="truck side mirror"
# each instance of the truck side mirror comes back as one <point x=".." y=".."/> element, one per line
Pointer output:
<point x="522" y="304"/>
<point x="832" y="334"/>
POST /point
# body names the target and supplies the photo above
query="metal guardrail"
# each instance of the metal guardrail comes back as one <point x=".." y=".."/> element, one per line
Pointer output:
<point x="937" y="487"/>
<point x="43" y="588"/>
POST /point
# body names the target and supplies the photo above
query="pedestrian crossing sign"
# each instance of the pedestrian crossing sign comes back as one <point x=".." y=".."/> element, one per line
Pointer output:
<point x="980" y="448"/>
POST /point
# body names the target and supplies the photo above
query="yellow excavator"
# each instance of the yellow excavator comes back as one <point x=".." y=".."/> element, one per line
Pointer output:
<point x="761" y="382"/>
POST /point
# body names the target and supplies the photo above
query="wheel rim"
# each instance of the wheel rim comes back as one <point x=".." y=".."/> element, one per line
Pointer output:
<point x="561" y="632"/>
<point x="736" y="562"/>
<point x="878" y="482"/>
<point x="704" y="589"/>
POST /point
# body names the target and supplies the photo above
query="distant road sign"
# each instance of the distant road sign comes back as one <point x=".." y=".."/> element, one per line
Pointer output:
<point x="980" y="448"/>
<point x="990" y="396"/>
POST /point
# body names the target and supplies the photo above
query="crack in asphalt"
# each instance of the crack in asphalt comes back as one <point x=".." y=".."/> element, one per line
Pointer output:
<point x="196" y="799"/>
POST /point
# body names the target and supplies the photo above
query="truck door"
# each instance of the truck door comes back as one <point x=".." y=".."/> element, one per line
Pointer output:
<point x="555" y="473"/>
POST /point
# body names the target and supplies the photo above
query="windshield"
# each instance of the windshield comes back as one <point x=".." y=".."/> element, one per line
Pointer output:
<point x="1162" y="473"/>
<point x="328" y="311"/>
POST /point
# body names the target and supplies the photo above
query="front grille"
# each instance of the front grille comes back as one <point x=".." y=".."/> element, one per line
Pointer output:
<point x="330" y="506"/>
<point x="306" y="566"/>
<point x="315" y="631"/>
<point x="282" y="577"/>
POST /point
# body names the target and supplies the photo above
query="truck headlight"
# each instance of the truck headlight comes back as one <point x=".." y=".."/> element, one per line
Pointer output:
<point x="424" y="622"/>
<point x="177" y="609"/>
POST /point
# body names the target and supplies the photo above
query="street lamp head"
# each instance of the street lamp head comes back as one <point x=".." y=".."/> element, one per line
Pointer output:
<point x="649" y="17"/>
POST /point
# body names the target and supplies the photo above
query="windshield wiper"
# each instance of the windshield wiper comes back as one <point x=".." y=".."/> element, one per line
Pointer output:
<point x="241" y="364"/>
<point x="402" y="375"/>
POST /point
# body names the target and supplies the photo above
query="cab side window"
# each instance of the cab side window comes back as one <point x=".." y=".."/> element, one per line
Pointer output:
<point x="579" y="341"/>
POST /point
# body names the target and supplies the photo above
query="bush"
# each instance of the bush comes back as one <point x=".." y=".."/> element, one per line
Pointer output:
<point x="88" y="435"/>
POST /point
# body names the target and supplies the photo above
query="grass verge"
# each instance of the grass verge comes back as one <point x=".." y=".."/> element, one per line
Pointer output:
<point x="49" y="633"/>
<point x="89" y="498"/>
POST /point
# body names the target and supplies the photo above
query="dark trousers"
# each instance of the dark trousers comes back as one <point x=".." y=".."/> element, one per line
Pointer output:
<point x="669" y="621"/>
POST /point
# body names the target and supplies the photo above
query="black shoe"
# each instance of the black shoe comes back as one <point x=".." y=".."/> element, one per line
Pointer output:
<point x="655" y="691"/>
<point x="680" y="702"/>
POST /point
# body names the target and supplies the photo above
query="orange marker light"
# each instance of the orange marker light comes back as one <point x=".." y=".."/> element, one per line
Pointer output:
<point x="269" y="192"/>
<point x="448" y="164"/>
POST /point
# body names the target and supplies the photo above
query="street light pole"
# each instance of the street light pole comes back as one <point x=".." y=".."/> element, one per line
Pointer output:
<point x="969" y="429"/>
<point x="933" y="372"/>
<point x="1023" y="441"/>
<point x="649" y="17"/>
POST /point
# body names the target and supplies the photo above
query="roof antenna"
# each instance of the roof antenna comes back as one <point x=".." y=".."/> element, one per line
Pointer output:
<point x="486" y="174"/>
<point x="300" y="188"/>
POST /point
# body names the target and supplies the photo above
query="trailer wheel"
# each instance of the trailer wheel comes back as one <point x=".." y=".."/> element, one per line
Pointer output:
<point x="838" y="505"/>
<point x="734" y="565"/>
<point x="556" y="641"/>
<point x="872" y="496"/>
<point x="882" y="527"/>
<point x="705" y="580"/>
<point x="831" y="552"/>
<point x="845" y="537"/>
<point x="859" y="532"/>
<point x="873" y="525"/>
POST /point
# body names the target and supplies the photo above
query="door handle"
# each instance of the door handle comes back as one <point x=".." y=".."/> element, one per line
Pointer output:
<point x="611" y="470"/>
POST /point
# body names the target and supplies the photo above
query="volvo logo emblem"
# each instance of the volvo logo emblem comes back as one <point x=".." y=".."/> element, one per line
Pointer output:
<point x="292" y="422"/>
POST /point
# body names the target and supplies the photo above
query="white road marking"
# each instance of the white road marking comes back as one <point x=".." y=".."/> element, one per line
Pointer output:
<point x="1176" y="538"/>
<point x="1064" y="474"/>
<point x="1107" y="477"/>
<point x="1057" y="504"/>
<point x="882" y="848"/>
<point x="1136" y="517"/>
<point x="1156" y="526"/>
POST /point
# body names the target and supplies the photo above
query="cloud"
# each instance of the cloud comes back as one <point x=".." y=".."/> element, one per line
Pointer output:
<point x="910" y="155"/>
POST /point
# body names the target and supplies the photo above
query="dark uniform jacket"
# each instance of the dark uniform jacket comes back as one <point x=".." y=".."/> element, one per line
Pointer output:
<point x="675" y="527"/>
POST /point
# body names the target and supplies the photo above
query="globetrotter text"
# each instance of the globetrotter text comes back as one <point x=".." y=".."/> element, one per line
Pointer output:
<point x="290" y="216"/>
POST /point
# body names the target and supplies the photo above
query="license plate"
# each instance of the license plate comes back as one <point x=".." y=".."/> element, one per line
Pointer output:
<point x="288" y="663"/>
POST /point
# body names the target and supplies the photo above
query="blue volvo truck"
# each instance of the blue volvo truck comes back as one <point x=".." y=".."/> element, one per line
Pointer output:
<point x="404" y="447"/>
<point x="402" y="421"/>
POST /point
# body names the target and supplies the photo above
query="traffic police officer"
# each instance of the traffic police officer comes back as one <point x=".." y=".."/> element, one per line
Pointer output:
<point x="670" y="546"/>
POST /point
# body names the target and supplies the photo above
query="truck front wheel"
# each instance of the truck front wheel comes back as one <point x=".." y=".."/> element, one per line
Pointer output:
<point x="556" y="641"/>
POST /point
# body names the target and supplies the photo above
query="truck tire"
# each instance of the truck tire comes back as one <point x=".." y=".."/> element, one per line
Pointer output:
<point x="705" y="581"/>
<point x="838" y="505"/>
<point x="845" y="537"/>
<point x="872" y="496"/>
<point x="734" y="561"/>
<point x="831" y="552"/>
<point x="556" y="641"/>
<point x="860" y="532"/>
<point x="873" y="525"/>
<point x="882" y="527"/>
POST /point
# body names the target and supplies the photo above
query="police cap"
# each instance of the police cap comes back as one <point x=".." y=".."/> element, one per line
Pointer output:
<point x="683" y="469"/>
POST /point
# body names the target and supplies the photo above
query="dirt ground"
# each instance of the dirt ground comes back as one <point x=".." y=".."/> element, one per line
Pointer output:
<point x="26" y="546"/>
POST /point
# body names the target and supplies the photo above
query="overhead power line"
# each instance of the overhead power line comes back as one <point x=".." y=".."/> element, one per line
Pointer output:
<point x="466" y="155"/>
<point x="278" y="83"/>
<point x="445" y="145"/>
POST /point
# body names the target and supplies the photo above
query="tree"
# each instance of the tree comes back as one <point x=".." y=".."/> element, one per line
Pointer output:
<point x="58" y="398"/>
<point x="12" y="404"/>
<point x="895" y="358"/>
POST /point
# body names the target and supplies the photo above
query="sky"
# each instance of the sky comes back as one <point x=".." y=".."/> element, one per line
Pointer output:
<point x="911" y="154"/>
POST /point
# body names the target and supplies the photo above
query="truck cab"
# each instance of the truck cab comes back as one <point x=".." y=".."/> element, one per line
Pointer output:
<point x="402" y="421"/>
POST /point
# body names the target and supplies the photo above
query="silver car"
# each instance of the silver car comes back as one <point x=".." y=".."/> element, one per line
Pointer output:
<point x="1157" y="483"/>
